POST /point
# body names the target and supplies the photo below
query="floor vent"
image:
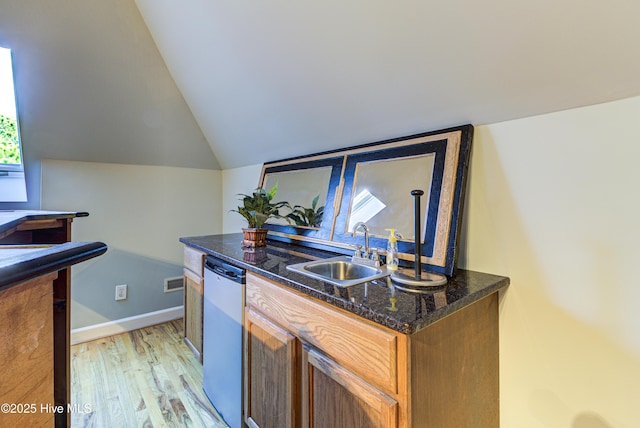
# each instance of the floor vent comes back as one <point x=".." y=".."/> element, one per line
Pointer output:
<point x="173" y="284"/>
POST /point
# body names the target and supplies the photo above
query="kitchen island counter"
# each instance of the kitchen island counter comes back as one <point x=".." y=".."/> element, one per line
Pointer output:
<point x="36" y="256"/>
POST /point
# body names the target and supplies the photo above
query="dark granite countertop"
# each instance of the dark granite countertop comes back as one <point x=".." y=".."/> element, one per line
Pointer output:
<point x="19" y="263"/>
<point x="11" y="219"/>
<point x="411" y="312"/>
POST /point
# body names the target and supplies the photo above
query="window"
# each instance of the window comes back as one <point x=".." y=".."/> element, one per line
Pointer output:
<point x="10" y="152"/>
<point x="12" y="185"/>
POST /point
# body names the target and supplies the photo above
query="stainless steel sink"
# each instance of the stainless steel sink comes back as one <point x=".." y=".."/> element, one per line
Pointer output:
<point x="340" y="271"/>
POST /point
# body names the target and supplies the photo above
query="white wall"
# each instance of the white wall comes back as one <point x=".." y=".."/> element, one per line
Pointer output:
<point x="553" y="204"/>
<point x="140" y="212"/>
<point x="141" y="209"/>
<point x="237" y="180"/>
<point x="13" y="187"/>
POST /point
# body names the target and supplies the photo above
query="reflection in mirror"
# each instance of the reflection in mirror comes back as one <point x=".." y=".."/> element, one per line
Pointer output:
<point x="379" y="196"/>
<point x="306" y="192"/>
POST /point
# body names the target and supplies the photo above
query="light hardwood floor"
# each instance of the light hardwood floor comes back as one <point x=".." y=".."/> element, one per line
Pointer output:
<point x="143" y="378"/>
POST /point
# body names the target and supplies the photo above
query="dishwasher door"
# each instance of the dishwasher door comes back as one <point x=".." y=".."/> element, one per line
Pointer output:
<point x="222" y="338"/>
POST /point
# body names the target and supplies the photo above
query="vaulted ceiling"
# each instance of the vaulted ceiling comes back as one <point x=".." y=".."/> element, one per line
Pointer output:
<point x="223" y="84"/>
<point x="92" y="86"/>
<point x="272" y="79"/>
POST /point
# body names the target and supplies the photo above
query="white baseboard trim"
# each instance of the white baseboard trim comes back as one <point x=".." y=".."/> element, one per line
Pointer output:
<point x="98" y="331"/>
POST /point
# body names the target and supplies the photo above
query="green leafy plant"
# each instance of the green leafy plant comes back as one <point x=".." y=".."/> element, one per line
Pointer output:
<point x="9" y="144"/>
<point x="257" y="208"/>
<point x="311" y="217"/>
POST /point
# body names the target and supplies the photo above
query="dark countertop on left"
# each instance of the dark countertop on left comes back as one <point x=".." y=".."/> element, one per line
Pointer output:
<point x="11" y="219"/>
<point x="19" y="263"/>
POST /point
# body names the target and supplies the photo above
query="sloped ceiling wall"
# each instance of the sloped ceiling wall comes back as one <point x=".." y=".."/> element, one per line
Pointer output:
<point x="92" y="86"/>
<point x="271" y="79"/>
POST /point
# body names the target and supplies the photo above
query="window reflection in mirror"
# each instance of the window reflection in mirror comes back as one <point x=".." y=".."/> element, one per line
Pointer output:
<point x="306" y="192"/>
<point x="381" y="194"/>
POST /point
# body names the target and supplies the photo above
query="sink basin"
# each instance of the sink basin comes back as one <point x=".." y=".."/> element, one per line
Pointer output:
<point x="340" y="271"/>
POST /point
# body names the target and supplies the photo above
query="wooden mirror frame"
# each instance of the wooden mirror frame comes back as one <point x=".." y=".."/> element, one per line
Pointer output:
<point x="451" y="148"/>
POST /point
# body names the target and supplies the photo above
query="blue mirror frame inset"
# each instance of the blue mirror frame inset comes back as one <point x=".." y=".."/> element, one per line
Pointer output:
<point x="438" y="148"/>
<point x="324" y="231"/>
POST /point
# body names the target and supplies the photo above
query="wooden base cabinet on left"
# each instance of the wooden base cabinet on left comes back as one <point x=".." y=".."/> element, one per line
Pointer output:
<point x="193" y="299"/>
<point x="26" y="354"/>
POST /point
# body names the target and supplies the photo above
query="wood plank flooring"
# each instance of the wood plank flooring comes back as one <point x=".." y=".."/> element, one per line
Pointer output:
<point x="143" y="378"/>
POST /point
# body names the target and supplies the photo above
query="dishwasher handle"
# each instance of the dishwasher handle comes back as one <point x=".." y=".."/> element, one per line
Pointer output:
<point x="224" y="269"/>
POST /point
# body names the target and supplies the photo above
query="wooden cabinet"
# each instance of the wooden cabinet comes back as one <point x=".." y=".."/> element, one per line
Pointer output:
<point x="271" y="374"/>
<point x="318" y="366"/>
<point x="193" y="299"/>
<point x="309" y="364"/>
<point x="56" y="230"/>
<point x="26" y="372"/>
<point x="336" y="397"/>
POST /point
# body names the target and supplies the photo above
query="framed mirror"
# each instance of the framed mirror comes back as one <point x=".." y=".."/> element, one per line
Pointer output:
<point x="372" y="183"/>
<point x="391" y="180"/>
<point x="305" y="184"/>
<point x="296" y="188"/>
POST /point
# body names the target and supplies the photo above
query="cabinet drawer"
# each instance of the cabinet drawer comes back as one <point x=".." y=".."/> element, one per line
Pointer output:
<point x="194" y="260"/>
<point x="367" y="350"/>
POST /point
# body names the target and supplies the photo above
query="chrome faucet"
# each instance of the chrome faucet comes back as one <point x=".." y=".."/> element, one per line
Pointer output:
<point x="364" y="227"/>
<point x="370" y="256"/>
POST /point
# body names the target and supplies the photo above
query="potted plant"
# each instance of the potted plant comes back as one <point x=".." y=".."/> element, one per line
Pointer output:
<point x="309" y="217"/>
<point x="257" y="208"/>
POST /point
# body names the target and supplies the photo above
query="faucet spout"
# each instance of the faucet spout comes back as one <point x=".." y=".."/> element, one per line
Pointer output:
<point x="364" y="227"/>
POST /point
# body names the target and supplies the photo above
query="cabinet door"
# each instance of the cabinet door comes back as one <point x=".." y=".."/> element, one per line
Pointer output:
<point x="335" y="397"/>
<point x="270" y="377"/>
<point x="26" y="353"/>
<point x="193" y="292"/>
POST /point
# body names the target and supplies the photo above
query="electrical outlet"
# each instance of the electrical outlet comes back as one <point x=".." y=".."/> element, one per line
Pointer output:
<point x="121" y="292"/>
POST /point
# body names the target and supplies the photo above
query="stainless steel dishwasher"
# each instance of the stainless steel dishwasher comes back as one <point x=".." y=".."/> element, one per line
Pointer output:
<point x="222" y="338"/>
